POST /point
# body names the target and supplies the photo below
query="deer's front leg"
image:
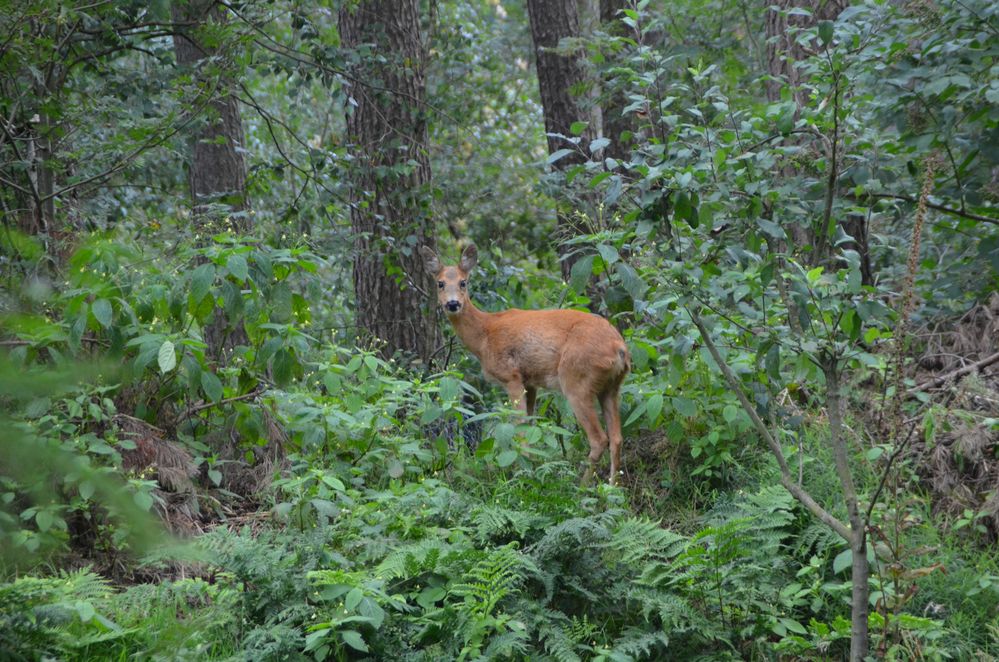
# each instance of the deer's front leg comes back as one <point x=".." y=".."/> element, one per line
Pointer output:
<point x="518" y="395"/>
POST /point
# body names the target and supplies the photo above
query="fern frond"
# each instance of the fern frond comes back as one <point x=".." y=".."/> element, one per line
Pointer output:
<point x="411" y="560"/>
<point x="638" y="643"/>
<point x="638" y="538"/>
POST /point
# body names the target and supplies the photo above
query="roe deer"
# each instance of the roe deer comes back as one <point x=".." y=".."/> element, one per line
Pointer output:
<point x="577" y="353"/>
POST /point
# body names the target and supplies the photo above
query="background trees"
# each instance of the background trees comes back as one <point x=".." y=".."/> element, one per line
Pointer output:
<point x="789" y="210"/>
<point x="387" y="121"/>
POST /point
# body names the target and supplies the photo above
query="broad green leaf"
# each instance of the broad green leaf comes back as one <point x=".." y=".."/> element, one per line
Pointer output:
<point x="843" y="560"/>
<point x="201" y="281"/>
<point x="608" y="253"/>
<point x="353" y="599"/>
<point x="44" y="520"/>
<point x="166" y="357"/>
<point x="631" y="280"/>
<point x="730" y="413"/>
<point x="211" y="385"/>
<point x="826" y="35"/>
<point x="559" y="154"/>
<point x="598" y="144"/>
<point x="102" y="312"/>
<point x="354" y="639"/>
<point x="236" y="265"/>
<point x="577" y="128"/>
<point x="580" y="274"/>
<point x="283" y="367"/>
<point x="685" y="406"/>
<point x="506" y="458"/>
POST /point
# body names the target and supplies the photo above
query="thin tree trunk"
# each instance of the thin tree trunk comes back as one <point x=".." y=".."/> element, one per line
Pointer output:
<point x="387" y="126"/>
<point x="859" y="607"/>
<point x="558" y="77"/>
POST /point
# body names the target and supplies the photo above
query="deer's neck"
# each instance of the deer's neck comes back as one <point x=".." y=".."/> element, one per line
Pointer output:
<point x="471" y="326"/>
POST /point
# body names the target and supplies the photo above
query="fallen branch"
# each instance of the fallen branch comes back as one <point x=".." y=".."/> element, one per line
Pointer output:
<point x="955" y="374"/>
<point x="208" y="405"/>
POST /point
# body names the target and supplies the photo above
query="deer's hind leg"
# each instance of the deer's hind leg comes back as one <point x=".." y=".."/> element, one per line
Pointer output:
<point x="610" y="402"/>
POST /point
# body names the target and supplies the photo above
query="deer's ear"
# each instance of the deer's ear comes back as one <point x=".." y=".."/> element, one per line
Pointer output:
<point x="469" y="257"/>
<point x="430" y="261"/>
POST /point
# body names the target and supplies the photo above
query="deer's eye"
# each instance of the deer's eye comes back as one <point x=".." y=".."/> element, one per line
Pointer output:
<point x="462" y="284"/>
<point x="440" y="285"/>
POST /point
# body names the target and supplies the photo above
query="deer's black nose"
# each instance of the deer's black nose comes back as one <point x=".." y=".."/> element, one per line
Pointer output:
<point x="453" y="306"/>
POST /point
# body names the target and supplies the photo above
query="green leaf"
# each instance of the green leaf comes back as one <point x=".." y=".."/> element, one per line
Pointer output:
<point x="166" y="357"/>
<point x="598" y="144"/>
<point x="506" y="458"/>
<point x="814" y="275"/>
<point x="236" y="265"/>
<point x="843" y="560"/>
<point x="354" y="639"/>
<point x="102" y="312"/>
<point x="608" y="253"/>
<point x="826" y="32"/>
<point x="283" y="367"/>
<point x="685" y="406"/>
<point x="730" y="413"/>
<point x="44" y="519"/>
<point x="85" y="611"/>
<point x="211" y="386"/>
<point x="577" y="128"/>
<point x="201" y="281"/>
<point x="771" y="229"/>
<point x="559" y="154"/>
<point x="653" y="407"/>
<point x="631" y="280"/>
<point x="353" y="599"/>
<point x="449" y="389"/>
<point x="772" y="362"/>
<point x="580" y="274"/>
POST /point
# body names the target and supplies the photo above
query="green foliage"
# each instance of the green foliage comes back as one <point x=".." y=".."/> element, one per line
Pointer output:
<point x="397" y="514"/>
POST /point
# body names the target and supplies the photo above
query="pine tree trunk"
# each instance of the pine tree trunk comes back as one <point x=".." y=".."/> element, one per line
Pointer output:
<point x="558" y="76"/>
<point x="387" y="127"/>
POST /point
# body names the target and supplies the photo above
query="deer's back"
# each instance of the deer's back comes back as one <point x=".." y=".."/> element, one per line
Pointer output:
<point x="543" y="344"/>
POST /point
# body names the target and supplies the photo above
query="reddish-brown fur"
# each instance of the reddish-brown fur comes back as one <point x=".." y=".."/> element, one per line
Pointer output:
<point x="577" y="353"/>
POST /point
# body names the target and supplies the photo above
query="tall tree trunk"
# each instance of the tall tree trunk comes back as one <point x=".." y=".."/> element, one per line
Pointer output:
<point x="558" y="77"/>
<point x="387" y="126"/>
<point x="217" y="173"/>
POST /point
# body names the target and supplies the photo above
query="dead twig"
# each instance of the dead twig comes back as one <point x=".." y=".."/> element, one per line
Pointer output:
<point x="954" y="374"/>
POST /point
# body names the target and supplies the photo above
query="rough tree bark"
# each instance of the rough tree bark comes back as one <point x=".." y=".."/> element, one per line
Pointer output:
<point x="559" y="76"/>
<point x="387" y="127"/>
<point x="217" y="172"/>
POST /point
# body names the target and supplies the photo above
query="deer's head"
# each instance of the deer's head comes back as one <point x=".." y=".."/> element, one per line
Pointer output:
<point x="451" y="281"/>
